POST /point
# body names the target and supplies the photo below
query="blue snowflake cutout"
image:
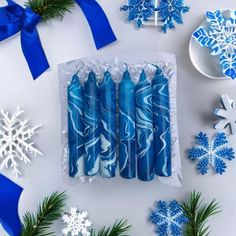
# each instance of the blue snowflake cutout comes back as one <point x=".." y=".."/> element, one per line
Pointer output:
<point x="168" y="218"/>
<point x="220" y="38"/>
<point x="213" y="153"/>
<point x="139" y="11"/>
<point x="171" y="11"/>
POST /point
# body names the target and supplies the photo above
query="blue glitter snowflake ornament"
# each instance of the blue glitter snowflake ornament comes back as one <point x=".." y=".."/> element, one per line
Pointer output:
<point x="165" y="12"/>
<point x="212" y="153"/>
<point x="171" y="11"/>
<point x="220" y="38"/>
<point x="168" y="218"/>
<point x="139" y="11"/>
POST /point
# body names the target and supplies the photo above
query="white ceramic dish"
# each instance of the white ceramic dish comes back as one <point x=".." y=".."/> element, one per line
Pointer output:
<point x="202" y="59"/>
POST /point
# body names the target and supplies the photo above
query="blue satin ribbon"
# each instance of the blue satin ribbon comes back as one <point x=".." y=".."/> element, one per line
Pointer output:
<point x="14" y="19"/>
<point x="9" y="198"/>
<point x="98" y="22"/>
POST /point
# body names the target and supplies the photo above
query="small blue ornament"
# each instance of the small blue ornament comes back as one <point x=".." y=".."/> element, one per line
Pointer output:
<point x="139" y="11"/>
<point x="212" y="153"/>
<point x="169" y="218"/>
<point x="171" y="11"/>
<point x="220" y="38"/>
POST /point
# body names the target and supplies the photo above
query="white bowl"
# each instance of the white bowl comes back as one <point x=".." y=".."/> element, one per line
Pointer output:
<point x="202" y="59"/>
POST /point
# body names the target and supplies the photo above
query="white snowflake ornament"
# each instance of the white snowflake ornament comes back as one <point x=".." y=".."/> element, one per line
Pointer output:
<point x="219" y="35"/>
<point x="15" y="141"/>
<point x="77" y="223"/>
<point x="227" y="114"/>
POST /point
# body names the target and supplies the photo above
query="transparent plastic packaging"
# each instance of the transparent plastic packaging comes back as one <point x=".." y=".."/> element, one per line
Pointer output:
<point x="117" y="65"/>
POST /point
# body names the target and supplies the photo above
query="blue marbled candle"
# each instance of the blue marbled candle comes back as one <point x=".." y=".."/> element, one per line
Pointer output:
<point x="91" y="125"/>
<point x="162" y="132"/>
<point x="108" y="157"/>
<point x="144" y="128"/>
<point x="127" y="152"/>
<point x="75" y="127"/>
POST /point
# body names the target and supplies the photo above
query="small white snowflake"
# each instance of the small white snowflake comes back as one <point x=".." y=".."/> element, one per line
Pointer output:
<point x="77" y="223"/>
<point x="227" y="114"/>
<point x="15" y="141"/>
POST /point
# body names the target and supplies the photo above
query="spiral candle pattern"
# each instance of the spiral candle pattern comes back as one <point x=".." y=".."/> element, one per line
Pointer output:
<point x="75" y="127"/>
<point x="108" y="157"/>
<point x="144" y="128"/>
<point x="162" y="133"/>
<point x="91" y="125"/>
<point x="127" y="150"/>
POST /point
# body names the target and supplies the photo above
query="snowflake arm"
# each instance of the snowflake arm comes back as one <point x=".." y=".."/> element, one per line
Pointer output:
<point x="214" y="154"/>
<point x="77" y="223"/>
<point x="197" y="152"/>
<point x="203" y="165"/>
<point x="226" y="153"/>
<point x="168" y="218"/>
<point x="15" y="136"/>
<point x="139" y="11"/>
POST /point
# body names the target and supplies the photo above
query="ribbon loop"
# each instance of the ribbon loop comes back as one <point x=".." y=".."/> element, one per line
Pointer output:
<point x="30" y="20"/>
<point x="98" y="22"/>
<point x="14" y="19"/>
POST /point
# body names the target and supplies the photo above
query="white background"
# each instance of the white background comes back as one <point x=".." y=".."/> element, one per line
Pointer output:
<point x="197" y="95"/>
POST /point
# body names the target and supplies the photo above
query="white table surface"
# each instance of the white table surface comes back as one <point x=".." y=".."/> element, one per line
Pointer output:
<point x="197" y="95"/>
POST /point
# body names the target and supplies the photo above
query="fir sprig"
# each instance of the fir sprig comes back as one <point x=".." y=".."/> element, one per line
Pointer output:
<point x="48" y="211"/>
<point x="120" y="228"/>
<point x="198" y="215"/>
<point x="50" y="9"/>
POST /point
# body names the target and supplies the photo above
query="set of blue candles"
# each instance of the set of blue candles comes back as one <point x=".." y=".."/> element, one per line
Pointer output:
<point x="131" y="133"/>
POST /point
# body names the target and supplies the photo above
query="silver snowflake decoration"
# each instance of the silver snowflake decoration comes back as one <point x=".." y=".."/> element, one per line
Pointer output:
<point x="15" y="141"/>
<point x="77" y="223"/>
<point x="227" y="114"/>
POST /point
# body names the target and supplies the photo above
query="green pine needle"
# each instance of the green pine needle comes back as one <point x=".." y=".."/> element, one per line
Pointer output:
<point x="48" y="211"/>
<point x="120" y="228"/>
<point x="198" y="215"/>
<point x="50" y="9"/>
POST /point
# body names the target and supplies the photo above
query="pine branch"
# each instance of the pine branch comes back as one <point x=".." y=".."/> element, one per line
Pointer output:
<point x="118" y="229"/>
<point x="48" y="211"/>
<point x="198" y="215"/>
<point x="50" y="9"/>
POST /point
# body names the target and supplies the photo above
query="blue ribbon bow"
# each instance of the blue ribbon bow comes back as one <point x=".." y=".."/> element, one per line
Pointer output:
<point x="98" y="22"/>
<point x="9" y="198"/>
<point x="14" y="19"/>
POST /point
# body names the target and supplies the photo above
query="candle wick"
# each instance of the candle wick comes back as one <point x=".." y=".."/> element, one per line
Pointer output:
<point x="109" y="68"/>
<point x="127" y="66"/>
<point x="79" y="70"/>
